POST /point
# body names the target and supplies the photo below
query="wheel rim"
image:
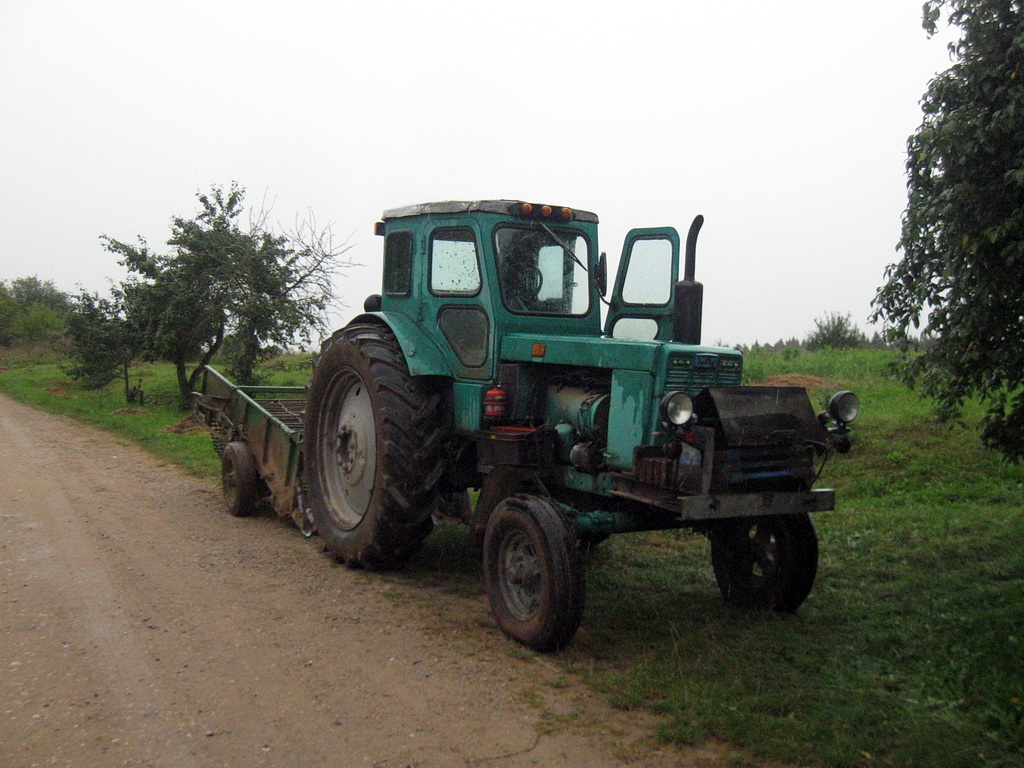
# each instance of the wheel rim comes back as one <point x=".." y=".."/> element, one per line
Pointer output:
<point x="752" y="556"/>
<point x="348" y="449"/>
<point x="229" y="482"/>
<point x="764" y="553"/>
<point x="519" y="575"/>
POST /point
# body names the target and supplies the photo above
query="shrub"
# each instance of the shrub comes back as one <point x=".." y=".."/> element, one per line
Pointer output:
<point x="835" y="331"/>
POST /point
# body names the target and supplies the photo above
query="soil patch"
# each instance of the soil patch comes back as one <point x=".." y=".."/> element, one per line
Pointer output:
<point x="57" y="391"/>
<point x="131" y="412"/>
<point x="187" y="426"/>
<point x="799" y="380"/>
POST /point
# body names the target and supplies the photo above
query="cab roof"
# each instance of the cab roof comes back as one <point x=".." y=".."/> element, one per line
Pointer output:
<point x="504" y="207"/>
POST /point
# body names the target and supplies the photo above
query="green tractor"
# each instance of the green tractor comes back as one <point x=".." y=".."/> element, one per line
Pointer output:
<point x="484" y="364"/>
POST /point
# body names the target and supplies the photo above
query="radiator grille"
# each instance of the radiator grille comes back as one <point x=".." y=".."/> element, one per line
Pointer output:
<point x="692" y="373"/>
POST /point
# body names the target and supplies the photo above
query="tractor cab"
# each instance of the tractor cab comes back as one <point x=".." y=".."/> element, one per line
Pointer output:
<point x="463" y="279"/>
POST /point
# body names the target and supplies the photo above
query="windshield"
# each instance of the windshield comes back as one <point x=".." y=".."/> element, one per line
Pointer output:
<point x="542" y="271"/>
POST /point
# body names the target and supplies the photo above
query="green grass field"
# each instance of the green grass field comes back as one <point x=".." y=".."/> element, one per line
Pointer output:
<point x="909" y="651"/>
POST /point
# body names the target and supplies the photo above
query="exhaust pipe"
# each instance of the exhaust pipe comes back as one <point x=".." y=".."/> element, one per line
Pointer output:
<point x="689" y="294"/>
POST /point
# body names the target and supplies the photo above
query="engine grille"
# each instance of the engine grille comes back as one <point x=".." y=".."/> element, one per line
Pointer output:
<point x="692" y="373"/>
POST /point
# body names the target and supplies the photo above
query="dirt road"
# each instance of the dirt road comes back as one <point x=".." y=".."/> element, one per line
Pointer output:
<point x="141" y="626"/>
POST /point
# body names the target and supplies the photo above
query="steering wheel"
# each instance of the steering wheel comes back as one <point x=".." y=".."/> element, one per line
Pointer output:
<point x="522" y="283"/>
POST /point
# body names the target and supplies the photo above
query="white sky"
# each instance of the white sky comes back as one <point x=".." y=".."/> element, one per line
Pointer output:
<point x="784" y="123"/>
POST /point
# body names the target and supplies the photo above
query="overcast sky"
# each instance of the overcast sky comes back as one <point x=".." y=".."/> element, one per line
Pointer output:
<point x="784" y="123"/>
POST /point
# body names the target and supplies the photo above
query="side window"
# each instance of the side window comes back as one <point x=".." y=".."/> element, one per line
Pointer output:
<point x="454" y="268"/>
<point x="643" y="328"/>
<point x="398" y="264"/>
<point x="649" y="273"/>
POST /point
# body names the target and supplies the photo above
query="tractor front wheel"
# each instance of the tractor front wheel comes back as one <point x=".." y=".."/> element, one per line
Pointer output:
<point x="765" y="562"/>
<point x="533" y="572"/>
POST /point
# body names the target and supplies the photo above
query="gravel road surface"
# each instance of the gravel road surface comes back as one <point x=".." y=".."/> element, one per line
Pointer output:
<point x="142" y="626"/>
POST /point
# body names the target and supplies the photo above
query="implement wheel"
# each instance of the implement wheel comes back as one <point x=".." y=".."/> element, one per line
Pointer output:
<point x="533" y="573"/>
<point x="373" y="449"/>
<point x="765" y="562"/>
<point x="239" y="479"/>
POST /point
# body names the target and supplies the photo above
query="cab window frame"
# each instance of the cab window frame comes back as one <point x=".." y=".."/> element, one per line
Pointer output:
<point x="438" y="234"/>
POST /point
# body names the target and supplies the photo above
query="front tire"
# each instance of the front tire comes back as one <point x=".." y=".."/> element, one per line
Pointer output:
<point x="533" y="573"/>
<point x="765" y="562"/>
<point x="373" y="449"/>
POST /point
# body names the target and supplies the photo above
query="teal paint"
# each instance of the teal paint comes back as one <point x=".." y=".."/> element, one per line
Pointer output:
<point x="628" y="416"/>
<point x="469" y="404"/>
<point x="422" y="354"/>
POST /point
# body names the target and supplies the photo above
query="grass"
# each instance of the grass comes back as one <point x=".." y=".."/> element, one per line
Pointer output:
<point x="38" y="380"/>
<point x="909" y="652"/>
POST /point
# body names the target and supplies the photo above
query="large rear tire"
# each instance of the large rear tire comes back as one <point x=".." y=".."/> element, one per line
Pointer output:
<point x="765" y="562"/>
<point x="533" y="572"/>
<point x="373" y="449"/>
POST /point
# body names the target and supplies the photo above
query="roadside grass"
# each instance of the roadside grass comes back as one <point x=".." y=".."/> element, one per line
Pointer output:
<point x="909" y="651"/>
<point x="157" y="425"/>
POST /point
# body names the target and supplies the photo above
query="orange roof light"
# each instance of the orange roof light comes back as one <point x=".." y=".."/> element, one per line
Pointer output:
<point x="538" y="211"/>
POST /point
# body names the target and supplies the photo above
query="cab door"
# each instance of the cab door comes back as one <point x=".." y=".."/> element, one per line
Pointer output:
<point x="643" y="297"/>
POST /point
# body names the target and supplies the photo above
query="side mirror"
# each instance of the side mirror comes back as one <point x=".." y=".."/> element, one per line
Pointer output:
<point x="601" y="273"/>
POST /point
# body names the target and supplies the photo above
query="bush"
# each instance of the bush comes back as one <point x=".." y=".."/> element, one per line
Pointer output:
<point x="835" y="331"/>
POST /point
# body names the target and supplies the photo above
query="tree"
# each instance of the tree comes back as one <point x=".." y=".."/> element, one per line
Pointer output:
<point x="31" y="290"/>
<point x="220" y="280"/>
<point x="103" y="342"/>
<point x="38" y="322"/>
<point x="31" y="310"/>
<point x="835" y="331"/>
<point x="962" y="269"/>
<point x="8" y="311"/>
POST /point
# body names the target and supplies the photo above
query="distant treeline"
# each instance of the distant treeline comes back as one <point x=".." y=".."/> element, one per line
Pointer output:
<point x="32" y="311"/>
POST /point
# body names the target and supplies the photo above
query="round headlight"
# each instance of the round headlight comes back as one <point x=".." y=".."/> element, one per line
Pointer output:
<point x="676" y="408"/>
<point x="844" y="406"/>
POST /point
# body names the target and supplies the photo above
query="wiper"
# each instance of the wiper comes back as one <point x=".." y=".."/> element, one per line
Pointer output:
<point x="565" y="247"/>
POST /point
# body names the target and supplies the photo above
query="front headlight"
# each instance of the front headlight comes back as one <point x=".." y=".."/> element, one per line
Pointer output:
<point x="676" y="408"/>
<point x="844" y="406"/>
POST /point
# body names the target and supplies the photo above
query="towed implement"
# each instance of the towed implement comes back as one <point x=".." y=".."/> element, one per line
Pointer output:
<point x="485" y="364"/>
<point x="257" y="432"/>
